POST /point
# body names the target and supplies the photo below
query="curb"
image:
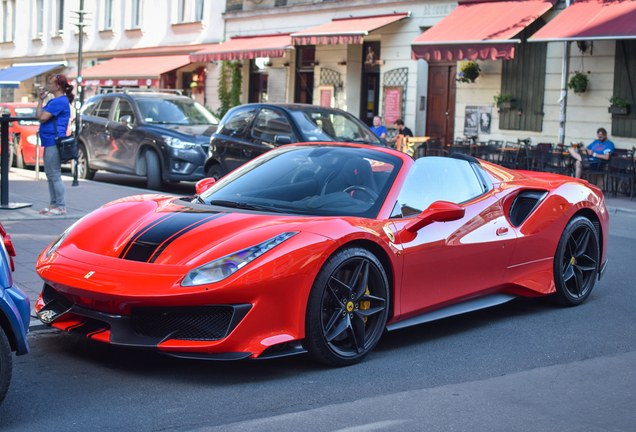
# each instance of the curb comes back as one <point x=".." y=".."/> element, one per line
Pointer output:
<point x="621" y="210"/>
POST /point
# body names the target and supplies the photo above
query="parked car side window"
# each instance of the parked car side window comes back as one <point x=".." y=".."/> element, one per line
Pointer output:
<point x="270" y="123"/>
<point x="104" y="108"/>
<point x="438" y="179"/>
<point x="89" y="107"/>
<point x="123" y="109"/>
<point x="237" y="124"/>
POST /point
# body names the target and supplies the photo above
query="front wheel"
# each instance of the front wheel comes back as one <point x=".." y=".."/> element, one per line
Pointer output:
<point x="6" y="364"/>
<point x="347" y="308"/>
<point x="83" y="170"/>
<point x="153" y="170"/>
<point x="215" y="171"/>
<point x="576" y="262"/>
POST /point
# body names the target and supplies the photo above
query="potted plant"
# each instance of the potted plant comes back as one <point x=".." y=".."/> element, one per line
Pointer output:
<point x="578" y="82"/>
<point x="618" y="105"/>
<point x="469" y="73"/>
<point x="504" y="101"/>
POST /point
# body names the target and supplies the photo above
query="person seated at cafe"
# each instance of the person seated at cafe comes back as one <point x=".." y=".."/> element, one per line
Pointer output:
<point x="600" y="150"/>
<point x="377" y="127"/>
<point x="402" y="130"/>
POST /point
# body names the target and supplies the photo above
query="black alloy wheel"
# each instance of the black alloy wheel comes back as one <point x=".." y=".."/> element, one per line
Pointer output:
<point x="6" y="364"/>
<point x="215" y="171"/>
<point x="347" y="308"/>
<point x="576" y="262"/>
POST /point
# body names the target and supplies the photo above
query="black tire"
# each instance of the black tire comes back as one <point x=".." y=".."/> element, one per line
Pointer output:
<point x="83" y="170"/>
<point x="215" y="171"/>
<point x="347" y="308"/>
<point x="6" y="364"/>
<point x="153" y="170"/>
<point x="19" y="161"/>
<point x="576" y="262"/>
<point x="11" y="155"/>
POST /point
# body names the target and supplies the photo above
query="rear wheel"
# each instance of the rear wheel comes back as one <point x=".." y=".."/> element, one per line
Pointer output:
<point x="215" y="171"/>
<point x="576" y="262"/>
<point x="347" y="308"/>
<point x="83" y="170"/>
<point x="6" y="364"/>
<point x="19" y="160"/>
<point x="153" y="170"/>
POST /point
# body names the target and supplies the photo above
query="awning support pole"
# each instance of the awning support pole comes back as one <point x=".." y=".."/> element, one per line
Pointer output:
<point x="564" y="87"/>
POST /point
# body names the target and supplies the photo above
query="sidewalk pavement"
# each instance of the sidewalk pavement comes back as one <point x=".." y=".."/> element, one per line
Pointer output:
<point x="30" y="239"/>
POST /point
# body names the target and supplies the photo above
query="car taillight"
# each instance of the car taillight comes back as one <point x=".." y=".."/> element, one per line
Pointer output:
<point x="8" y="245"/>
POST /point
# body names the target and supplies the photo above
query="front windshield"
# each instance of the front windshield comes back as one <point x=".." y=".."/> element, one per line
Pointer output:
<point x="333" y="126"/>
<point x="26" y="112"/>
<point x="311" y="180"/>
<point x="175" y="111"/>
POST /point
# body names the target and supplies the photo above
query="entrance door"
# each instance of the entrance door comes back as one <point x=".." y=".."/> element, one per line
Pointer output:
<point x="305" y="63"/>
<point x="440" y="117"/>
<point x="370" y="97"/>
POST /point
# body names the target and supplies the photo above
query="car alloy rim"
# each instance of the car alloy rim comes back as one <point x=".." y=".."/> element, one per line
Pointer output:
<point x="352" y="307"/>
<point x="81" y="164"/>
<point x="580" y="260"/>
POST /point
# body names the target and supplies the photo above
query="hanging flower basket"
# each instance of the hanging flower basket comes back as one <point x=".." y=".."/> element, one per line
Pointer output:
<point x="469" y="73"/>
<point x="578" y="82"/>
<point x="619" y="106"/>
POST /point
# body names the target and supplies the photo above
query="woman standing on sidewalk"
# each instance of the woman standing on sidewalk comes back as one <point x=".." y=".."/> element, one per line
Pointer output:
<point x="56" y="112"/>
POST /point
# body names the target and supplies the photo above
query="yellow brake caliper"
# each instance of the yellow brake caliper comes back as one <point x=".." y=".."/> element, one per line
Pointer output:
<point x="365" y="304"/>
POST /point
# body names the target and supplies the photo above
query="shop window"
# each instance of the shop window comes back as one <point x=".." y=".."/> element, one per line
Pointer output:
<point x="624" y="86"/>
<point x="259" y="80"/>
<point x="305" y="62"/>
<point x="523" y="77"/>
<point x="270" y="123"/>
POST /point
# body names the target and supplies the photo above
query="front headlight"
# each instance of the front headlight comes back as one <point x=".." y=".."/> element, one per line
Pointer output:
<point x="58" y="241"/>
<point x="222" y="268"/>
<point x="32" y="139"/>
<point x="177" y="143"/>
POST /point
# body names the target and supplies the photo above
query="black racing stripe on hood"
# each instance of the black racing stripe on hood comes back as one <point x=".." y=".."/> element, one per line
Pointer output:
<point x="145" y="245"/>
<point x="144" y="229"/>
<point x="167" y="242"/>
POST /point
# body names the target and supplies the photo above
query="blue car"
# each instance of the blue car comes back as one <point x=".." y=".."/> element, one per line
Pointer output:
<point x="14" y="314"/>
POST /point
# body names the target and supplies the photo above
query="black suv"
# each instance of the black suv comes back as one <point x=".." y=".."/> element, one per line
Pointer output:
<point x="248" y="131"/>
<point x="159" y="135"/>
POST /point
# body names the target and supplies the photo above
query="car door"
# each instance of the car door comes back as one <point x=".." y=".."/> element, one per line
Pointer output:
<point x="449" y="261"/>
<point x="229" y="140"/>
<point x="269" y="124"/>
<point x="98" y="135"/>
<point x="124" y="135"/>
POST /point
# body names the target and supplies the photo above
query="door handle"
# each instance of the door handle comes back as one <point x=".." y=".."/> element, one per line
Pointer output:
<point x="446" y="113"/>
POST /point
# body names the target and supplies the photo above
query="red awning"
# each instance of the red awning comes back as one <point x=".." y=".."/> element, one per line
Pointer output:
<point x="345" y="30"/>
<point x="246" y="47"/>
<point x="479" y="29"/>
<point x="591" y="20"/>
<point x="132" y="71"/>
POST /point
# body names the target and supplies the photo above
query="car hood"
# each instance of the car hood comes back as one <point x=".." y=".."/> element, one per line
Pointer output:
<point x="164" y="230"/>
<point x="201" y="133"/>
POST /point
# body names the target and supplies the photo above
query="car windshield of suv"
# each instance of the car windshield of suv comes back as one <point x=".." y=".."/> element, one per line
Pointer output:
<point x="26" y="112"/>
<point x="333" y="126"/>
<point x="311" y="180"/>
<point x="175" y="111"/>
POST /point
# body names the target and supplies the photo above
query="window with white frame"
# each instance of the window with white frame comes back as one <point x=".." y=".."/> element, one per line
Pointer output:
<point x="108" y="15"/>
<point x="190" y="11"/>
<point x="135" y="19"/>
<point x="59" y="18"/>
<point x="8" y="20"/>
<point x="39" y="18"/>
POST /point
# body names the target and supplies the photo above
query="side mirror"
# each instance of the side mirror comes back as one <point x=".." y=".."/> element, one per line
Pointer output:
<point x="126" y="121"/>
<point x="439" y="211"/>
<point x="205" y="184"/>
<point x="283" y="139"/>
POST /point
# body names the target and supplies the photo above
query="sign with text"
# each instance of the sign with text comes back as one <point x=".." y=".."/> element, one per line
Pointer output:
<point x="392" y="104"/>
<point x="120" y="82"/>
<point x="326" y="95"/>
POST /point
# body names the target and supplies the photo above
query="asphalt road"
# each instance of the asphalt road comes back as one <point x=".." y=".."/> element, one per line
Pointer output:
<point x="526" y="365"/>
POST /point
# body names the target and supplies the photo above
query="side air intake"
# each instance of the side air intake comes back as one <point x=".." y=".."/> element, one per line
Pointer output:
<point x="524" y="204"/>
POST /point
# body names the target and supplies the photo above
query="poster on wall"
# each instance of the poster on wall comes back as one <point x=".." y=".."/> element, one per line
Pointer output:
<point x="485" y="117"/>
<point x="392" y="104"/>
<point x="471" y="121"/>
<point x="326" y="93"/>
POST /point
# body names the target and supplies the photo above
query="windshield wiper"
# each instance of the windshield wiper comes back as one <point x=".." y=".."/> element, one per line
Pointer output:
<point x="244" y="205"/>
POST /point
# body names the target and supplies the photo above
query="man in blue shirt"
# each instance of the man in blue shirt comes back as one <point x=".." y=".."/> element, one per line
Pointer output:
<point x="600" y="150"/>
<point x="377" y="127"/>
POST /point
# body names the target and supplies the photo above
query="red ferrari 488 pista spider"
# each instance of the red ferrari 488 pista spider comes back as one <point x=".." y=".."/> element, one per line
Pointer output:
<point x="320" y="247"/>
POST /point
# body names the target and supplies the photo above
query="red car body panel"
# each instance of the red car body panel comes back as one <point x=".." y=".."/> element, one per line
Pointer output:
<point x="442" y="264"/>
<point x="24" y="132"/>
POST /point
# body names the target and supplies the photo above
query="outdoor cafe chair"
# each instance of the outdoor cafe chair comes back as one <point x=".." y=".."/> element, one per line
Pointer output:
<point x="532" y="158"/>
<point x="509" y="155"/>
<point x="554" y="162"/>
<point x="460" y="148"/>
<point x="622" y="171"/>
<point x="593" y="169"/>
<point x="435" y="147"/>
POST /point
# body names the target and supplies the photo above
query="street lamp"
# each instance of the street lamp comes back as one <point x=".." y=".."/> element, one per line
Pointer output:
<point x="80" y="93"/>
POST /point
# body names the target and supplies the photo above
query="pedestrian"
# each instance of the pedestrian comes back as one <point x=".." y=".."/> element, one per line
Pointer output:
<point x="600" y="150"/>
<point x="377" y="127"/>
<point x="55" y="115"/>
